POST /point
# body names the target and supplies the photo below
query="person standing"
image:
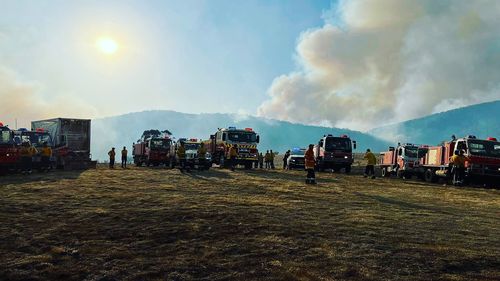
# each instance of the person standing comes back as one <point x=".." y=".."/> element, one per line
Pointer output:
<point x="267" y="159"/>
<point x="458" y="166"/>
<point x="261" y="161"/>
<point x="202" y="151"/>
<point x="46" y="154"/>
<point x="310" y="162"/>
<point x="124" y="157"/>
<point x="233" y="154"/>
<point x="26" y="153"/>
<point x="285" y="160"/>
<point x="112" y="155"/>
<point x="181" y="155"/>
<point x="370" y="166"/>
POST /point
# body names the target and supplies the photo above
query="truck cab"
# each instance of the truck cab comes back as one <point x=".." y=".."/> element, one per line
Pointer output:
<point x="192" y="158"/>
<point x="152" y="150"/>
<point x="334" y="152"/>
<point x="246" y="141"/>
<point x="484" y="155"/>
<point x="402" y="160"/>
<point x="9" y="155"/>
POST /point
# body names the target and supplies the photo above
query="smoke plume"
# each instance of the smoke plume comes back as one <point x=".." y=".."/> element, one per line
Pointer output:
<point x="25" y="102"/>
<point x="380" y="61"/>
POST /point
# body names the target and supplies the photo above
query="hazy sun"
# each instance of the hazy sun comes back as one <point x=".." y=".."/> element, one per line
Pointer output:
<point x="107" y="45"/>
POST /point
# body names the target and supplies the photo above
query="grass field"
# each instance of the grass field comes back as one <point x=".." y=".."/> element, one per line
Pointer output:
<point x="158" y="224"/>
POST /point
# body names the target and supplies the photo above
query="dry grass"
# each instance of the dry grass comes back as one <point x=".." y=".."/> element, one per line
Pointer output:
<point x="157" y="224"/>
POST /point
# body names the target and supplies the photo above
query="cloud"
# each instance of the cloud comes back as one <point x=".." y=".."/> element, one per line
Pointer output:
<point x="383" y="61"/>
<point x="25" y="102"/>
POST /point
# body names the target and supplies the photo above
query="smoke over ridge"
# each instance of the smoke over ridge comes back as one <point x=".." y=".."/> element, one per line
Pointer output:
<point x="380" y="61"/>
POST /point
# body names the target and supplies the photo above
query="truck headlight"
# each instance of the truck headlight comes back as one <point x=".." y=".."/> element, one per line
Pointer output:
<point x="345" y="157"/>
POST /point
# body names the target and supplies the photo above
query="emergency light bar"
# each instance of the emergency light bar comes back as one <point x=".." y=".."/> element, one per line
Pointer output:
<point x="249" y="129"/>
<point x="40" y="130"/>
<point x="231" y="128"/>
<point x="23" y="129"/>
<point x="194" y="140"/>
<point x="491" y="139"/>
<point x="1" y="124"/>
<point x="345" y="136"/>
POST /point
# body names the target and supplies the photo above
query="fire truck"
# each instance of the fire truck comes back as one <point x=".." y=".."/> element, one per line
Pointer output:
<point x="71" y="141"/>
<point x="153" y="148"/>
<point x="334" y="152"/>
<point x="221" y="141"/>
<point x="9" y="155"/>
<point x="37" y="139"/>
<point x="484" y="155"/>
<point x="402" y="160"/>
<point x="192" y="159"/>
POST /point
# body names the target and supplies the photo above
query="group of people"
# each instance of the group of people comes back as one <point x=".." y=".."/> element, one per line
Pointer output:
<point x="181" y="156"/>
<point x="112" y="155"/>
<point x="27" y="152"/>
<point x="266" y="161"/>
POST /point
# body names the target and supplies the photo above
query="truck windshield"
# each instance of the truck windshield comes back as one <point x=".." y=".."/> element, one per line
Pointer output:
<point x="343" y="144"/>
<point x="411" y="151"/>
<point x="484" y="148"/>
<point x="298" y="152"/>
<point x="242" y="136"/>
<point x="37" y="139"/>
<point x="191" y="146"/>
<point x="5" y="137"/>
<point x="160" y="144"/>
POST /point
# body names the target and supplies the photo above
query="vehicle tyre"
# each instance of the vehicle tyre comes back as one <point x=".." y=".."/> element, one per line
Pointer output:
<point x="248" y="165"/>
<point x="348" y="169"/>
<point x="430" y="176"/>
<point x="385" y="173"/>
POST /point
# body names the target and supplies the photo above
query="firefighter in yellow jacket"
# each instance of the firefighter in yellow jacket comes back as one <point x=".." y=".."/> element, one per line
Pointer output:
<point x="458" y="166"/>
<point x="181" y="156"/>
<point x="202" y="151"/>
<point x="46" y="153"/>
<point x="232" y="155"/>
<point x="26" y="153"/>
<point x="370" y="166"/>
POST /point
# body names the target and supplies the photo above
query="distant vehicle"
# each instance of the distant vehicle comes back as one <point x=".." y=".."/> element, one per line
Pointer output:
<point x="246" y="140"/>
<point x="402" y="160"/>
<point x="153" y="148"/>
<point x="192" y="160"/>
<point x="334" y="153"/>
<point x="9" y="154"/>
<point x="71" y="141"/>
<point x="484" y="155"/>
<point x="296" y="159"/>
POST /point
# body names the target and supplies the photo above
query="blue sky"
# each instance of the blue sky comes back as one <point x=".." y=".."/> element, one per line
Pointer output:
<point x="189" y="56"/>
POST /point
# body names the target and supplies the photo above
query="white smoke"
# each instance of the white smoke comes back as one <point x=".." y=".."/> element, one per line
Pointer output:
<point x="25" y="102"/>
<point x="382" y="61"/>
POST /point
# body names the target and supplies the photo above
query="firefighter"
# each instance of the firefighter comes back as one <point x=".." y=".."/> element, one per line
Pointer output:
<point x="202" y="151"/>
<point x="458" y="166"/>
<point x="370" y="166"/>
<point x="267" y="159"/>
<point x="26" y="153"/>
<point x="112" y="155"/>
<point x="232" y="155"/>
<point x="46" y="153"/>
<point x="310" y="163"/>
<point x="261" y="161"/>
<point x="271" y="159"/>
<point x="124" y="157"/>
<point x="181" y="155"/>
<point x="285" y="158"/>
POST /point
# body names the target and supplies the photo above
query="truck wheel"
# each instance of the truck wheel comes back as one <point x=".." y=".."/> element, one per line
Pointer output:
<point x="348" y="169"/>
<point x="248" y="166"/>
<point x="385" y="173"/>
<point x="430" y="176"/>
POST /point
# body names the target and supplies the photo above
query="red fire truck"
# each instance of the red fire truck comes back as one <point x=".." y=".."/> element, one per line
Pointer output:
<point x="403" y="160"/>
<point x="153" y="148"/>
<point x="484" y="158"/>
<point x="246" y="139"/>
<point x="9" y="155"/>
<point x="334" y="153"/>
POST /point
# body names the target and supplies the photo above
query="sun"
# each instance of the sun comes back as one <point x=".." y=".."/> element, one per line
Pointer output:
<point x="107" y="45"/>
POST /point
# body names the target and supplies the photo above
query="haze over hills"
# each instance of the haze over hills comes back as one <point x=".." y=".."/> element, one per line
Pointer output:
<point x="481" y="120"/>
<point x="123" y="130"/>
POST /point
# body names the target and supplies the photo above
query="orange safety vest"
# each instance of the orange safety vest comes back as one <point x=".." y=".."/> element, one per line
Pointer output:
<point x="309" y="159"/>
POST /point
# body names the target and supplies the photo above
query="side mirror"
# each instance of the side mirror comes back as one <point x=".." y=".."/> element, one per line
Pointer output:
<point x="354" y="144"/>
<point x="391" y="148"/>
<point x="258" y="138"/>
<point x="223" y="137"/>
<point x="212" y="137"/>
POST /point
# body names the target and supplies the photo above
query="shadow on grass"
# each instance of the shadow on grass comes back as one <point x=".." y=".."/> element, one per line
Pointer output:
<point x="403" y="204"/>
<point x="40" y="176"/>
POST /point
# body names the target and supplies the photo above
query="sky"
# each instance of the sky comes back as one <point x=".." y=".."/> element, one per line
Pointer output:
<point x="347" y="63"/>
